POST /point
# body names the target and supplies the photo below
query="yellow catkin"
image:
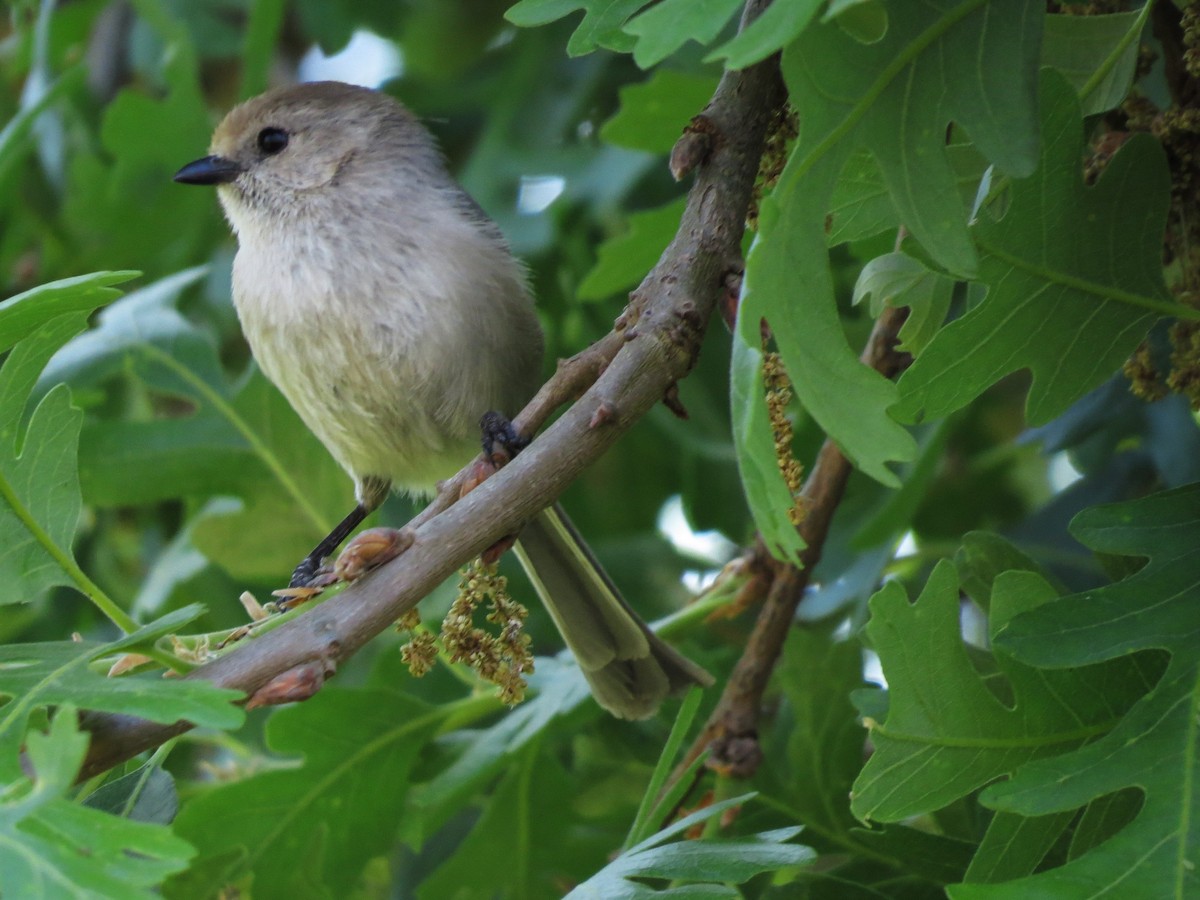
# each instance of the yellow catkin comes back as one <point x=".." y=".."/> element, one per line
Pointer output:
<point x="1185" y="361"/>
<point x="1144" y="379"/>
<point x="780" y="133"/>
<point x="778" y="395"/>
<point x="502" y="659"/>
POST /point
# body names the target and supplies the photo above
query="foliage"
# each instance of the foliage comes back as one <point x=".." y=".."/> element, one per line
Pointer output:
<point x="990" y="691"/>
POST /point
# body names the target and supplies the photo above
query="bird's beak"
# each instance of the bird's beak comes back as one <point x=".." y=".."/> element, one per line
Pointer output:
<point x="209" y="170"/>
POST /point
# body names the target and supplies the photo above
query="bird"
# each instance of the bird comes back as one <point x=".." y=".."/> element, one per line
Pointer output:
<point x="389" y="310"/>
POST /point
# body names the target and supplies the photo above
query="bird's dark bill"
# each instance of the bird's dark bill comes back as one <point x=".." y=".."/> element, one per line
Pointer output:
<point x="209" y="170"/>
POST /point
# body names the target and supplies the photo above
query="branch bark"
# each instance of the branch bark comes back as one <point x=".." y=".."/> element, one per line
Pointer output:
<point x="654" y="344"/>
<point x="731" y="732"/>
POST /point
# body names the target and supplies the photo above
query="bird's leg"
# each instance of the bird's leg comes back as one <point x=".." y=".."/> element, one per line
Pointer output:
<point x="501" y="442"/>
<point x="307" y="570"/>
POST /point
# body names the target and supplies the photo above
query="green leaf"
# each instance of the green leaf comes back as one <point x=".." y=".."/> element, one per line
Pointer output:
<point x="120" y="199"/>
<point x="560" y="688"/>
<point x="864" y="20"/>
<point x="1153" y="748"/>
<point x="51" y="847"/>
<point x="146" y="794"/>
<point x="668" y="25"/>
<point x="515" y="849"/>
<point x="983" y="557"/>
<point x="624" y="260"/>
<point x="55" y="757"/>
<point x="1074" y="278"/>
<point x="824" y="737"/>
<point x="1096" y="54"/>
<point x="144" y="330"/>
<point x="331" y="813"/>
<point x="934" y="856"/>
<point x="39" y="483"/>
<point x="894" y="98"/>
<point x="602" y="25"/>
<point x="1014" y="845"/>
<point x="292" y="493"/>
<point x="654" y="112"/>
<point x="897" y="279"/>
<point x="40" y="502"/>
<point x="968" y="62"/>
<point x="640" y="829"/>
<point x="124" y="463"/>
<point x="699" y="861"/>
<point x="243" y="440"/>
<point x="775" y="28"/>
<point x="947" y="732"/>
<point x="861" y="206"/>
<point x="22" y="315"/>
<point x="39" y="675"/>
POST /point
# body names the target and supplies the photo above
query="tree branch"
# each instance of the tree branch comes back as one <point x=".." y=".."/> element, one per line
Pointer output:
<point x="731" y="732"/>
<point x="654" y="344"/>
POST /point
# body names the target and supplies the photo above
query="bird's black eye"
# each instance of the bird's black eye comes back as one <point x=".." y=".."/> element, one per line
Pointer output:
<point x="272" y="140"/>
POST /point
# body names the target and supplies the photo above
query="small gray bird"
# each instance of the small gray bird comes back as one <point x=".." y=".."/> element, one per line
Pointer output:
<point x="386" y="306"/>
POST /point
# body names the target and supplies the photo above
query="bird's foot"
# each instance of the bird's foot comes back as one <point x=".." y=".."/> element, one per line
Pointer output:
<point x="501" y="441"/>
<point x="309" y="570"/>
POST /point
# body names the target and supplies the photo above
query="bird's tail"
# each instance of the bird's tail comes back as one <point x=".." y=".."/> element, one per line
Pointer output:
<point x="630" y="669"/>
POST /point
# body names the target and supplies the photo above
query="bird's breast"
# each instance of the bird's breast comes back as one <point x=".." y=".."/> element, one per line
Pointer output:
<point x="389" y="356"/>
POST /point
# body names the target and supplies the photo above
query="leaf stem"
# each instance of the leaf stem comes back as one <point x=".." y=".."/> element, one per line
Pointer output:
<point x="1118" y="51"/>
<point x="65" y="561"/>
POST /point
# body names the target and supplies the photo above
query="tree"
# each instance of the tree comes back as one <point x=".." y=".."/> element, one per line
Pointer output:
<point x="951" y="610"/>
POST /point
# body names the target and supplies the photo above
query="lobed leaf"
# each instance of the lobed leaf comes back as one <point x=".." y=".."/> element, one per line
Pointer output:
<point x="1074" y="278"/>
<point x="947" y="732"/>
<point x="22" y="315"/>
<point x="40" y="503"/>
<point x="776" y="27"/>
<point x="39" y="482"/>
<point x="665" y="27"/>
<point x="602" y="25"/>
<point x="699" y="861"/>
<point x="51" y="847"/>
<point x="968" y="62"/>
<point x="897" y="279"/>
<point x="39" y="675"/>
<point x="1152" y="750"/>
<point x="623" y="260"/>
<point x="330" y="813"/>
<point x="654" y="112"/>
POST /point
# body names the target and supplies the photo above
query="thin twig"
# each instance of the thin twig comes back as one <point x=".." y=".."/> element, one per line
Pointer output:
<point x="731" y="732"/>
